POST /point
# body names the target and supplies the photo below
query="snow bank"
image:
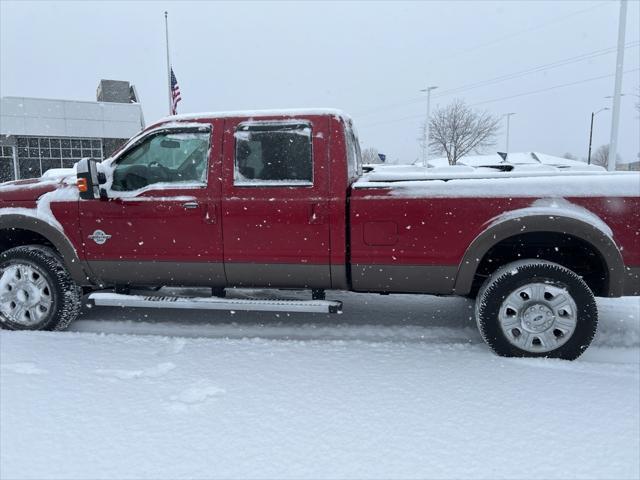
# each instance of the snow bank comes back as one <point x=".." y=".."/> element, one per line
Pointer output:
<point x="286" y="397"/>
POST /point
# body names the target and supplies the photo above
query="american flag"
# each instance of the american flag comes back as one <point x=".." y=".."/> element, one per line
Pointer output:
<point x="175" y="93"/>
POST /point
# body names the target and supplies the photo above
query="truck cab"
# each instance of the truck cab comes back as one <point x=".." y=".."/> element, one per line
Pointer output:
<point x="231" y="201"/>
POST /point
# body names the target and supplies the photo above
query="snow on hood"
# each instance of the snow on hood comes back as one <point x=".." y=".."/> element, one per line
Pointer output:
<point x="42" y="210"/>
<point x="34" y="188"/>
<point x="58" y="173"/>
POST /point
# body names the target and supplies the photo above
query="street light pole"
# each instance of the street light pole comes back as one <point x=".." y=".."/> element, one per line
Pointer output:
<point x="615" y="114"/>
<point x="425" y="154"/>
<point x="593" y="114"/>
<point x="508" y="115"/>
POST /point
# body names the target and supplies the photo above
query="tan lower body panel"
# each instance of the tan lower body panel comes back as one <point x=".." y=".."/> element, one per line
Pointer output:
<point x="212" y="274"/>
<point x="159" y="273"/>
<point x="274" y="275"/>
<point x="435" y="279"/>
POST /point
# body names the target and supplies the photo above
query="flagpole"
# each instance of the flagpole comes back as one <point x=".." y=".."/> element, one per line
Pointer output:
<point x="166" y="28"/>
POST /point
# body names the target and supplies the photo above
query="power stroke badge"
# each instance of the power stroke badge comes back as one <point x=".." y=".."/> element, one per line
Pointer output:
<point x="100" y="237"/>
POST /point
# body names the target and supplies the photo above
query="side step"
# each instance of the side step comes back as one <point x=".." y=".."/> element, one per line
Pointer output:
<point x="109" y="299"/>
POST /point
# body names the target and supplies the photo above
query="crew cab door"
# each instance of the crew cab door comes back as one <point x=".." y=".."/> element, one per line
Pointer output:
<point x="275" y="213"/>
<point x="160" y="224"/>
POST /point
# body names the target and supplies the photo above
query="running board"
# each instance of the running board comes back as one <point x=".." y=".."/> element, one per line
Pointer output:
<point x="108" y="299"/>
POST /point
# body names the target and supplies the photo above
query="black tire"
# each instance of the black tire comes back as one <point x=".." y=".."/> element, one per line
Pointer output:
<point x="63" y="293"/>
<point x="518" y="275"/>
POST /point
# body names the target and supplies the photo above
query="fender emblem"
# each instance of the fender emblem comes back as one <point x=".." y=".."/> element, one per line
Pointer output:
<point x="99" y="237"/>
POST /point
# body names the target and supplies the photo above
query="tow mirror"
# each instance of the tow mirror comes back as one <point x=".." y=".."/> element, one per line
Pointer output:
<point x="89" y="180"/>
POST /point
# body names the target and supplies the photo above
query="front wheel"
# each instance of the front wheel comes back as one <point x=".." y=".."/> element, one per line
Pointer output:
<point x="535" y="308"/>
<point x="36" y="291"/>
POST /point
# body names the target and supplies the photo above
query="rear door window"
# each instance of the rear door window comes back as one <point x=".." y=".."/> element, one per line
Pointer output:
<point x="274" y="154"/>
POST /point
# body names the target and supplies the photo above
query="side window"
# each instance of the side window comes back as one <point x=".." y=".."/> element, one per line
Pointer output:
<point x="273" y="153"/>
<point x="179" y="157"/>
<point x="354" y="163"/>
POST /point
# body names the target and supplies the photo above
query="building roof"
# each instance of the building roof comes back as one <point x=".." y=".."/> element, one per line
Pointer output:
<point x="69" y="118"/>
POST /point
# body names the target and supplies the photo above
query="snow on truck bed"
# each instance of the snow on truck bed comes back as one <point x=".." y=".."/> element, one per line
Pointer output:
<point x="398" y="386"/>
<point x="501" y="180"/>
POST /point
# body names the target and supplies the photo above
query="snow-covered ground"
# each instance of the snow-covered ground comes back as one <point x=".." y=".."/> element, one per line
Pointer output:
<point x="398" y="386"/>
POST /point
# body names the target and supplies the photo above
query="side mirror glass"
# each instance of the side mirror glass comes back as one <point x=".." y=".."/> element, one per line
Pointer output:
<point x="89" y="180"/>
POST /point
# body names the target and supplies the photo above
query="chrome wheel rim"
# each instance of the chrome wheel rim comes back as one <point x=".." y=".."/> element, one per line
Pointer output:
<point x="538" y="317"/>
<point x="25" y="295"/>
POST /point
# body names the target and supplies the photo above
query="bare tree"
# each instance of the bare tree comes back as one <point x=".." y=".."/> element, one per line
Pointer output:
<point x="569" y="156"/>
<point x="370" y="156"/>
<point x="601" y="156"/>
<point x="457" y="130"/>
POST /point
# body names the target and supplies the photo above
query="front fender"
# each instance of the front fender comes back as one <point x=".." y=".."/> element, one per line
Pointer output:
<point x="15" y="221"/>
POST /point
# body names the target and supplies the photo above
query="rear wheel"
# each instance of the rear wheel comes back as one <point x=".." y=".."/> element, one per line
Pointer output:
<point x="534" y="308"/>
<point x="36" y="291"/>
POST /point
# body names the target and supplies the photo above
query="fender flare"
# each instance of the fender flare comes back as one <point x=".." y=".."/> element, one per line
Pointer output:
<point x="500" y="230"/>
<point x="57" y="238"/>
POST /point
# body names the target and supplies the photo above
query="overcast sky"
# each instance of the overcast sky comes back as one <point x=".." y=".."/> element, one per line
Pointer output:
<point x="367" y="58"/>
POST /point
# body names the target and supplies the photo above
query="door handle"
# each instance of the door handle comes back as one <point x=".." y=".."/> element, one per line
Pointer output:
<point x="190" y="205"/>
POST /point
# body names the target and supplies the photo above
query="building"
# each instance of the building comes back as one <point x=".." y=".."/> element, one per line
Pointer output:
<point x="629" y="167"/>
<point x="37" y="134"/>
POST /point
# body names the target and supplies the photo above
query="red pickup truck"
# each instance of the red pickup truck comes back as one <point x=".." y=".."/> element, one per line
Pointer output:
<point x="279" y="200"/>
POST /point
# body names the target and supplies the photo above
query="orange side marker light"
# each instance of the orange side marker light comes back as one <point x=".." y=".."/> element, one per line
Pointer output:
<point x="82" y="184"/>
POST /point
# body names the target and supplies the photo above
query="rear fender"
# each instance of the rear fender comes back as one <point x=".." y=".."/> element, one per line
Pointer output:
<point x="592" y="230"/>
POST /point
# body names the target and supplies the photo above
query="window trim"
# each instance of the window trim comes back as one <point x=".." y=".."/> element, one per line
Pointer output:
<point x="274" y="125"/>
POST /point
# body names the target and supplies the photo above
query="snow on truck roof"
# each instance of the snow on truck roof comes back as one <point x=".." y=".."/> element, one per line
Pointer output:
<point x="289" y="112"/>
